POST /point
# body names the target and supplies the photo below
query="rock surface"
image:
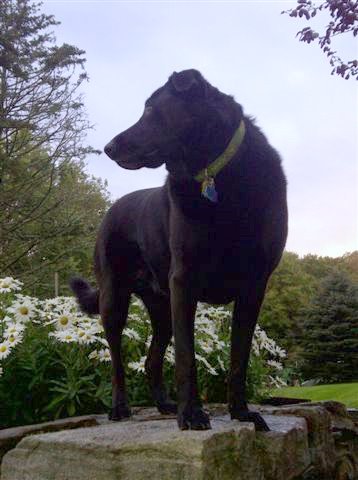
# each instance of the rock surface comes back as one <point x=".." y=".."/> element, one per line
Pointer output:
<point x="300" y="445"/>
<point x="10" y="437"/>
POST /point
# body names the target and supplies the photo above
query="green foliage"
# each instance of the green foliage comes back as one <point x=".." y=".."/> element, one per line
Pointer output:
<point x="289" y="290"/>
<point x="59" y="238"/>
<point x="330" y="326"/>
<point x="62" y="369"/>
<point x="49" y="206"/>
<point x="53" y="380"/>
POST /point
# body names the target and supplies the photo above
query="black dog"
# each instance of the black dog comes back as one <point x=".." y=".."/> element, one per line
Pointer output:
<point x="213" y="233"/>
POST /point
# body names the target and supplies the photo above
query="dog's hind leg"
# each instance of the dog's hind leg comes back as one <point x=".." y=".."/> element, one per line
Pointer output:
<point x="114" y="304"/>
<point x="158" y="308"/>
<point x="246" y="311"/>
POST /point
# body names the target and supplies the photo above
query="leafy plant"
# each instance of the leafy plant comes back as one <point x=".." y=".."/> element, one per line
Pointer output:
<point x="61" y="360"/>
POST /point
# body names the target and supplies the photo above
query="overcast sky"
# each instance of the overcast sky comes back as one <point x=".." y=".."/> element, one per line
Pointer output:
<point x="247" y="49"/>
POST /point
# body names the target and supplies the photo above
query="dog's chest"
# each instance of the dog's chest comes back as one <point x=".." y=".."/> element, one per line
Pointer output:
<point x="216" y="260"/>
<point x="216" y="255"/>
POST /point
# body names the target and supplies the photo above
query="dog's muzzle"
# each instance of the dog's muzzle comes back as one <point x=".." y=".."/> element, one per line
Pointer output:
<point x="110" y="150"/>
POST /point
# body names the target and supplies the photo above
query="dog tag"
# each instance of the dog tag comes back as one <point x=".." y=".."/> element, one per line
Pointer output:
<point x="208" y="190"/>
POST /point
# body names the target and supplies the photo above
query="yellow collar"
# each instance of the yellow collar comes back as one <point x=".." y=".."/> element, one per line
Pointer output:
<point x="219" y="163"/>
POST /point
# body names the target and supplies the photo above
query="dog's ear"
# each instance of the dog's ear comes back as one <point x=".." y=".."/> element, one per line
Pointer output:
<point x="189" y="82"/>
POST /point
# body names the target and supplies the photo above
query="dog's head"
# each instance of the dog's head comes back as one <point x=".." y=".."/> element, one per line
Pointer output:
<point x="185" y="124"/>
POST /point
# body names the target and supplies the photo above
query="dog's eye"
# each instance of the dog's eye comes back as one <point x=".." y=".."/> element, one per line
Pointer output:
<point x="148" y="110"/>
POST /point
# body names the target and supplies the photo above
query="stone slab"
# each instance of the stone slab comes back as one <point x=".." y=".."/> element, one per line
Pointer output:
<point x="156" y="449"/>
<point x="10" y="437"/>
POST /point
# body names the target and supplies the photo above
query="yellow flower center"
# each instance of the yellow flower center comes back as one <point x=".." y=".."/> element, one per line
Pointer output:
<point x="81" y="333"/>
<point x="11" y="339"/>
<point x="24" y="310"/>
<point x="3" y="348"/>
<point x="5" y="285"/>
<point x="68" y="337"/>
<point x="64" y="320"/>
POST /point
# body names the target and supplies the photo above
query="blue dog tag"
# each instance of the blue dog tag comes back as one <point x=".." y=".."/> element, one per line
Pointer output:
<point x="208" y="190"/>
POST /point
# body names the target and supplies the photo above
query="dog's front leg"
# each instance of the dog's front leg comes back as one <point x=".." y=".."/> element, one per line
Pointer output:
<point x="246" y="311"/>
<point x="183" y="304"/>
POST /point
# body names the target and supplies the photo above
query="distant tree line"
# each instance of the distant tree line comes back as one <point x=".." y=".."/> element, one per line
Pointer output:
<point x="311" y="309"/>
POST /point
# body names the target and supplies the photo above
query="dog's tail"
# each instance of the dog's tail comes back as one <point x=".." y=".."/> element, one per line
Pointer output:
<point x="88" y="297"/>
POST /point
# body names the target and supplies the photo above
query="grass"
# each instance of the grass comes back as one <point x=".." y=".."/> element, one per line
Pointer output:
<point x="346" y="393"/>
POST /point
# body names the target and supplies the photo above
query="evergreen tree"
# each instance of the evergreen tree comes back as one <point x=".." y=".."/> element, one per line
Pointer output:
<point x="330" y="323"/>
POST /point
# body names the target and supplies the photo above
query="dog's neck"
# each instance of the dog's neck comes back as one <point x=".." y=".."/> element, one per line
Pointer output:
<point x="206" y="177"/>
<point x="223" y="168"/>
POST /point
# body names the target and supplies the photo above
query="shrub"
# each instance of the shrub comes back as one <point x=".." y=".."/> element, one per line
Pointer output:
<point x="55" y="362"/>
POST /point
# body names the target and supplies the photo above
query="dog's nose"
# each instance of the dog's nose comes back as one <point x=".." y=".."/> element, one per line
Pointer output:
<point x="109" y="150"/>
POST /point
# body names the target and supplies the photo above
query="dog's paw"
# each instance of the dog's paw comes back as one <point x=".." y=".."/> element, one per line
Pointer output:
<point x="254" y="417"/>
<point x="194" y="418"/>
<point x="163" y="402"/>
<point x="119" y="412"/>
<point x="167" y="408"/>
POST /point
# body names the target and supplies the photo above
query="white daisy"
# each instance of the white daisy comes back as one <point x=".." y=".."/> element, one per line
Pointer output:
<point x="7" y="320"/>
<point x="170" y="355"/>
<point x="91" y="324"/>
<point x="103" y="341"/>
<point x="206" y="346"/>
<point x="221" y="364"/>
<point x="62" y="321"/>
<point x="61" y="305"/>
<point x="93" y="355"/>
<point x="149" y="341"/>
<point x="276" y="382"/>
<point x="23" y="309"/>
<point x="210" y="368"/>
<point x="13" y="329"/>
<point x="86" y="336"/>
<point x="274" y="364"/>
<point x="66" y="336"/>
<point x="138" y="366"/>
<point x="280" y="352"/>
<point x="130" y="333"/>
<point x="9" y="284"/>
<point x="104" y="355"/>
<point x="14" y="339"/>
<point x="5" y="349"/>
<point x="137" y="302"/>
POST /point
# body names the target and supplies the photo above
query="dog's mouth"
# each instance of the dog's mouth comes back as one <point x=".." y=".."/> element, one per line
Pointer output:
<point x="128" y="165"/>
<point x="149" y="160"/>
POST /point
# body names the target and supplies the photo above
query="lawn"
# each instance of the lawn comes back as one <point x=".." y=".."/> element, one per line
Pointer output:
<point x="346" y="393"/>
